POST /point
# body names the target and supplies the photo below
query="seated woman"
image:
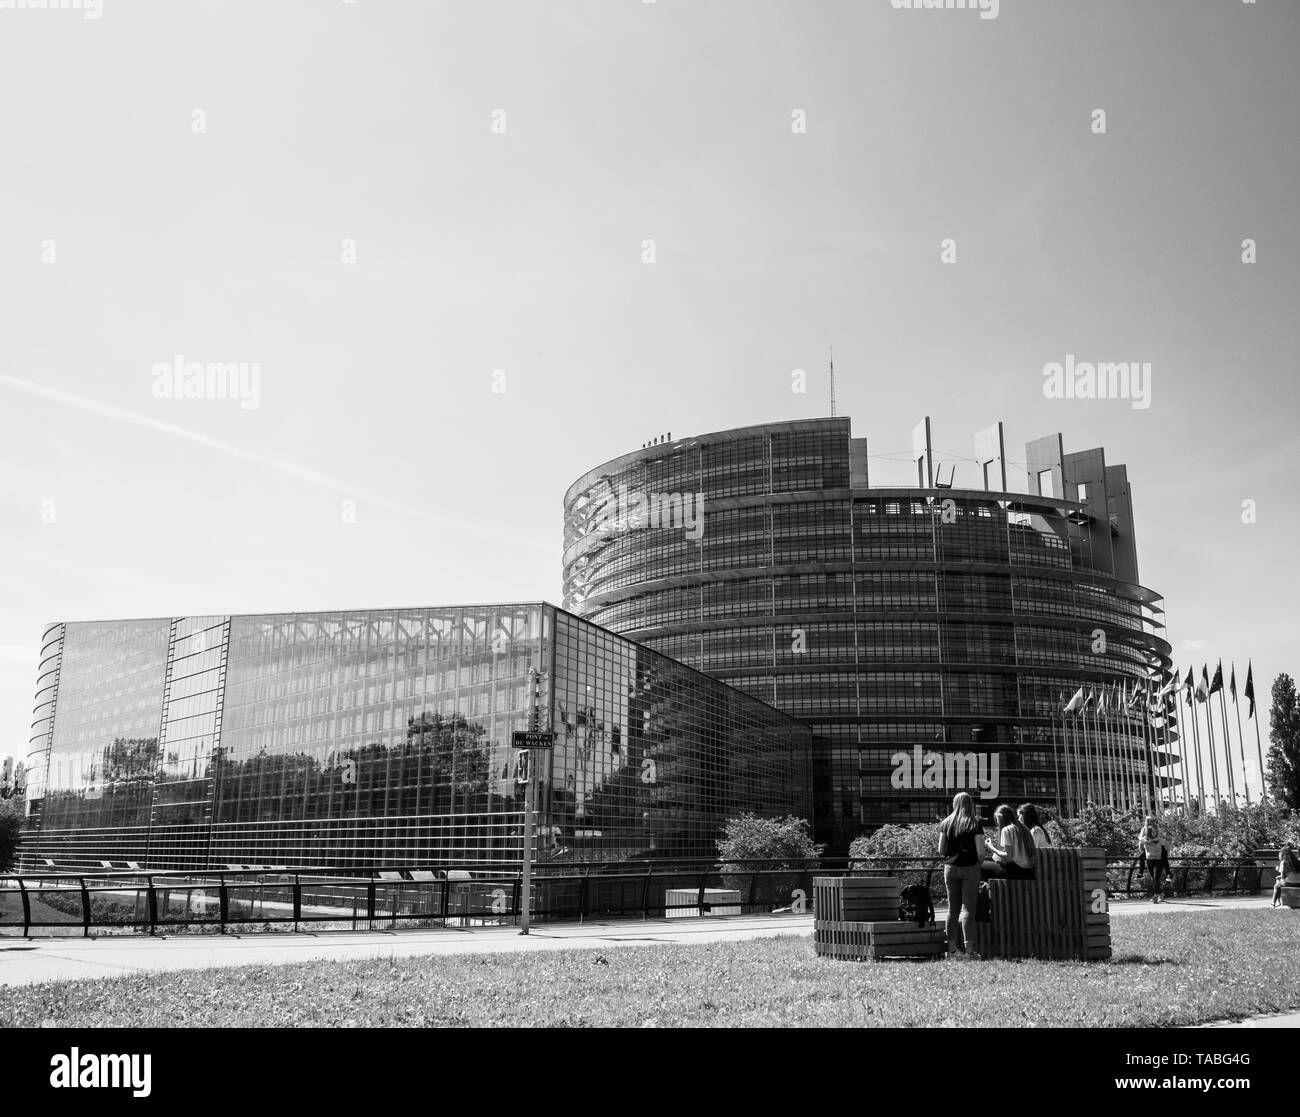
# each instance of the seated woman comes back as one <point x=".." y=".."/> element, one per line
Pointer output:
<point x="1014" y="853"/>
<point x="1028" y="814"/>
<point x="1288" y="872"/>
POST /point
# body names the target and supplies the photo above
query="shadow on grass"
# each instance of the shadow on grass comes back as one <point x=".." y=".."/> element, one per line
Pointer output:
<point x="1140" y="960"/>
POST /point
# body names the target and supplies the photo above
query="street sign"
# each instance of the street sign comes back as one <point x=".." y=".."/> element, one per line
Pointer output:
<point x="523" y="739"/>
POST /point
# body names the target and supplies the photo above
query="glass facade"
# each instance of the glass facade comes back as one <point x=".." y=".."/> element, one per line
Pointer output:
<point x="953" y="620"/>
<point x="366" y="739"/>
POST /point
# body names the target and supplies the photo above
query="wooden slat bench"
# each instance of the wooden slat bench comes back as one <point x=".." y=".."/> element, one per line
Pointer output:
<point x="1062" y="913"/>
<point x="856" y="899"/>
<point x="856" y="919"/>
<point x="861" y="941"/>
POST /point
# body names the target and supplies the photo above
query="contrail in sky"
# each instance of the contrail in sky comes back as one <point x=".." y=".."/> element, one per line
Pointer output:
<point x="303" y="473"/>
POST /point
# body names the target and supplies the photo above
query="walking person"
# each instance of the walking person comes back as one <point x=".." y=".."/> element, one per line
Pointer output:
<point x="1154" y="854"/>
<point x="961" y="845"/>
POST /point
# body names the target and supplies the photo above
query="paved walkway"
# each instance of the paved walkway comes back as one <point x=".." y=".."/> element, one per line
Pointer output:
<point x="27" y="961"/>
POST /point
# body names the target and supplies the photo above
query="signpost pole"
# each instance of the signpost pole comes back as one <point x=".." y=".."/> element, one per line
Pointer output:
<point x="527" y="886"/>
<point x="530" y="740"/>
<point x="526" y="901"/>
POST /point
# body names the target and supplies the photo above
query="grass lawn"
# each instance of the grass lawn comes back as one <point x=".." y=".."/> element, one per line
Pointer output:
<point x="1167" y="970"/>
<point x="11" y="911"/>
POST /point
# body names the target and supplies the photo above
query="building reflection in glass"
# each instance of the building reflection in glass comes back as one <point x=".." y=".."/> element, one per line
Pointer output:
<point x="362" y="739"/>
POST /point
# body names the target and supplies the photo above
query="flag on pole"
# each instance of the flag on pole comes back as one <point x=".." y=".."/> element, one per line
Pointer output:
<point x="1249" y="692"/>
<point x="1101" y="702"/>
<point x="1217" y="684"/>
<point x="1170" y="686"/>
<point x="1232" y="685"/>
<point x="1073" y="705"/>
<point x="1203" y="687"/>
<point x="1188" y="686"/>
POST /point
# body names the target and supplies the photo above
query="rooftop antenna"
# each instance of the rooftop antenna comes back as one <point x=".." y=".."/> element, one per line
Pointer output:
<point x="832" y="382"/>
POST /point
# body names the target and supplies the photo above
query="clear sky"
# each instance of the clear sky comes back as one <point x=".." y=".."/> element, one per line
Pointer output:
<point x="180" y="179"/>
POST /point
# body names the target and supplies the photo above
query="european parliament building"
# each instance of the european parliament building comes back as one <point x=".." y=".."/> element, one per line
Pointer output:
<point x="895" y="621"/>
<point x="749" y="624"/>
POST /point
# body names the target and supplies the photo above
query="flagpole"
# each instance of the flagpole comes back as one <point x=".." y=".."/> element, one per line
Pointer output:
<point x="1153" y="796"/>
<point x="1214" y="763"/>
<point x="1073" y="773"/>
<point x="1259" y="749"/>
<point x="1065" y="754"/>
<point x="1083" y="781"/>
<point x="1173" y="720"/>
<point x="1263" y="785"/>
<point x="1171" y="760"/>
<point x="1122" y="793"/>
<point x="1125" y="748"/>
<point x="1184" y="741"/>
<point x="1138" y="785"/>
<point x="1137" y="774"/>
<point x="1241" y="740"/>
<point x="1103" y="783"/>
<point x="1117" y="761"/>
<point x="1056" y="766"/>
<point x="1087" y="752"/>
<point x="1227" y="744"/>
<point x="1196" y="738"/>
<point x="1070" y="797"/>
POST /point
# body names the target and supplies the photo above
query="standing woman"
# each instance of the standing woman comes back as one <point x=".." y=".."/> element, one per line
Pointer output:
<point x="961" y="845"/>
<point x="1153" y="850"/>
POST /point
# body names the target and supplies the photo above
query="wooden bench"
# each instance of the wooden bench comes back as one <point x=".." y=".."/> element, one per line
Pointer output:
<point x="1063" y="913"/>
<point x="1291" y="895"/>
<point x="856" y="919"/>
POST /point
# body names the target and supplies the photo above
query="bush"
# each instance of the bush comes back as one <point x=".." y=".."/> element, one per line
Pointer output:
<point x="769" y="844"/>
<point x="898" y="842"/>
<point x="11" y="827"/>
<point x="1228" y="832"/>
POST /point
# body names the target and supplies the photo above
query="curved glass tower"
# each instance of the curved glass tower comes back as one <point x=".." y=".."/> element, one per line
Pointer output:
<point x="930" y="635"/>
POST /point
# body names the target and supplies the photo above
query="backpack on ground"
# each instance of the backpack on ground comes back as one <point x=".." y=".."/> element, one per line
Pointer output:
<point x="915" y="905"/>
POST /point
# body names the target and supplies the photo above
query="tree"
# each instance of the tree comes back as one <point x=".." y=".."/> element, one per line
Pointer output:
<point x="11" y="826"/>
<point x="1284" y="747"/>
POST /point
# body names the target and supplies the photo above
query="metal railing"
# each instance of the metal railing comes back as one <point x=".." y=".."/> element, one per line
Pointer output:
<point x="248" y="901"/>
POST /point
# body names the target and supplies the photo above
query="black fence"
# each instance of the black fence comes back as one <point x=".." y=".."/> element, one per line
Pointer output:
<point x="254" y="899"/>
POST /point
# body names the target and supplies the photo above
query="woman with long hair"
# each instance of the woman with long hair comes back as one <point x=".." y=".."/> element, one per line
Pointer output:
<point x="1028" y="815"/>
<point x="1288" y="872"/>
<point x="961" y="845"/>
<point x="1155" y="852"/>
<point x="1014" y="852"/>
